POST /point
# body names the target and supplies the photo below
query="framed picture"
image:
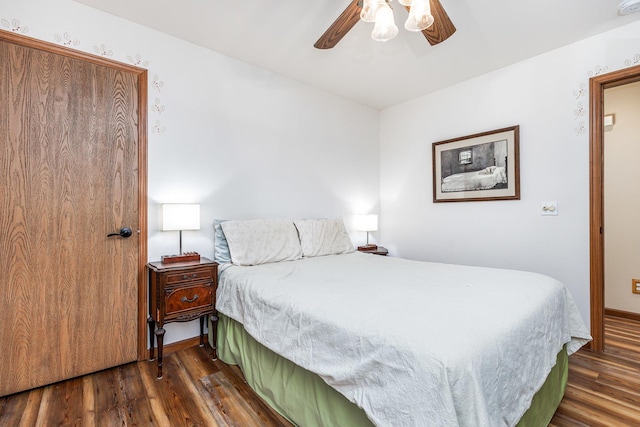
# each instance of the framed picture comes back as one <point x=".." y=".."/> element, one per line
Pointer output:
<point x="484" y="166"/>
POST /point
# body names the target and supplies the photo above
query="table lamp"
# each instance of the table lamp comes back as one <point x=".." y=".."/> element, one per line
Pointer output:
<point x="367" y="223"/>
<point x="180" y="216"/>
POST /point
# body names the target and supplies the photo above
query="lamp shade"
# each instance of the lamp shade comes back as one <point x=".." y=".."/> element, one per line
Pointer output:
<point x="366" y="222"/>
<point x="180" y="216"/>
<point x="369" y="9"/>
<point x="384" y="28"/>
<point x="420" y="16"/>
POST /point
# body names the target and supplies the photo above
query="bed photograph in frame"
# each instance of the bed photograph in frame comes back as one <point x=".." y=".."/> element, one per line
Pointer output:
<point x="479" y="167"/>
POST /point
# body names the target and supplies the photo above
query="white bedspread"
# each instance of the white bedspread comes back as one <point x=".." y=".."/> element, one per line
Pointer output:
<point x="412" y="343"/>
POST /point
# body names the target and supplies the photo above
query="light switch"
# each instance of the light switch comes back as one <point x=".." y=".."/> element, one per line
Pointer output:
<point x="549" y="208"/>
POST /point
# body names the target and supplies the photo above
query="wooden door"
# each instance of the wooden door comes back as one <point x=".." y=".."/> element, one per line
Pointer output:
<point x="71" y="153"/>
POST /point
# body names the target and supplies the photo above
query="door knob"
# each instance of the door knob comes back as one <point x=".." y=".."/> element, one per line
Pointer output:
<point x="124" y="232"/>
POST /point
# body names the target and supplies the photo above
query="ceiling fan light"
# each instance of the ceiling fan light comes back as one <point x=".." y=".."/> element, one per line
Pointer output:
<point x="369" y="9"/>
<point x="420" y="16"/>
<point x="385" y="28"/>
<point x="405" y="2"/>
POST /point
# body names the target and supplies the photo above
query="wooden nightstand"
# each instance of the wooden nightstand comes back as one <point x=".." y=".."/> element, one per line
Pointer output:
<point x="180" y="292"/>
<point x="378" y="250"/>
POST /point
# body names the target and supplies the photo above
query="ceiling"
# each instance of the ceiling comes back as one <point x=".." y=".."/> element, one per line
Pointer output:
<point x="279" y="36"/>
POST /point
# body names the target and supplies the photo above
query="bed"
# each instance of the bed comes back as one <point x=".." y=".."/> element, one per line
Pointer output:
<point x="483" y="179"/>
<point x="329" y="336"/>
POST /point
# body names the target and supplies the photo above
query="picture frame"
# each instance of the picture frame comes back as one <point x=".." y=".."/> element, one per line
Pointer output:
<point x="480" y="167"/>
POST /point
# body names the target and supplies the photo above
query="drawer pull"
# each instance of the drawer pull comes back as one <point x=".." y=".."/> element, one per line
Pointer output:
<point x="187" y="277"/>
<point x="185" y="299"/>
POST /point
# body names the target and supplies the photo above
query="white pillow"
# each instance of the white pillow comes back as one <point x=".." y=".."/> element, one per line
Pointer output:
<point x="260" y="241"/>
<point x="220" y="246"/>
<point x="320" y="237"/>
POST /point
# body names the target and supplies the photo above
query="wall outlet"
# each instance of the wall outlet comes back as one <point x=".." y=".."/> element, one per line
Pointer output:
<point x="635" y="286"/>
<point x="549" y="208"/>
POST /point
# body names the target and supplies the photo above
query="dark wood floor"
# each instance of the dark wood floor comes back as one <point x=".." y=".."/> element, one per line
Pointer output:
<point x="195" y="391"/>
<point x="603" y="390"/>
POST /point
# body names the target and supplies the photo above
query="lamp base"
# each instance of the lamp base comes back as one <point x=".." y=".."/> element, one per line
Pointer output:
<point x="187" y="256"/>
<point x="368" y="247"/>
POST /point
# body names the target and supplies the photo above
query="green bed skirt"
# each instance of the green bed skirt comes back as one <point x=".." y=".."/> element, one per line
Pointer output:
<point x="307" y="401"/>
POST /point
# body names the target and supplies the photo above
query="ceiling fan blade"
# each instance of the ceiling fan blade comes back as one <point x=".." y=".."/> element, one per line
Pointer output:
<point x="442" y="27"/>
<point x="340" y="27"/>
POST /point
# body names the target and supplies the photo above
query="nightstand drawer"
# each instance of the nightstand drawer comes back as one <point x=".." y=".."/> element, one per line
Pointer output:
<point x="188" y="276"/>
<point x="187" y="298"/>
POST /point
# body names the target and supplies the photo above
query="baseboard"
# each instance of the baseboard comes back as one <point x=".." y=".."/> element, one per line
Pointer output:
<point x="179" y="345"/>
<point x="621" y="313"/>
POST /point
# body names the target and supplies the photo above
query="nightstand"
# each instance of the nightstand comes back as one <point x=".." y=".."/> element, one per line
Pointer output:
<point x="378" y="250"/>
<point x="180" y="292"/>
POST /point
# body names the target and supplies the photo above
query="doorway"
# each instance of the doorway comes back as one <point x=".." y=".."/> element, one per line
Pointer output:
<point x="597" y="87"/>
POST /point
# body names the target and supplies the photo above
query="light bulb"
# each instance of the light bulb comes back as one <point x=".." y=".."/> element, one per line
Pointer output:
<point x="419" y="16"/>
<point x="385" y="28"/>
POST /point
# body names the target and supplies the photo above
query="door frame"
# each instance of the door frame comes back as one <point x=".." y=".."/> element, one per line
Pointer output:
<point x="597" y="86"/>
<point x="141" y="77"/>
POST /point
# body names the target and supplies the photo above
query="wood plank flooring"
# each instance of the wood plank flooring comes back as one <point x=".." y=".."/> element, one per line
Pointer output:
<point x="603" y="390"/>
<point x="195" y="391"/>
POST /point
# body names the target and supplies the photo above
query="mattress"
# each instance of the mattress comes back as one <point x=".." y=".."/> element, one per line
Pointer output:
<point x="410" y="343"/>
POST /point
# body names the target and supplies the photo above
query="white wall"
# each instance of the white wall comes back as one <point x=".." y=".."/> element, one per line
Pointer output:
<point x="241" y="141"/>
<point x="622" y="198"/>
<point x="547" y="96"/>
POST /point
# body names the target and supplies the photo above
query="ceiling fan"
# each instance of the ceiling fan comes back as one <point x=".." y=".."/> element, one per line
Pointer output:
<point x="441" y="29"/>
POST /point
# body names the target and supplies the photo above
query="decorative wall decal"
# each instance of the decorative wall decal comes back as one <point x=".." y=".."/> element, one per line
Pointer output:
<point x="597" y="70"/>
<point x="581" y="91"/>
<point x="14" y="26"/>
<point x="157" y="128"/>
<point x="157" y="84"/>
<point x="633" y="61"/>
<point x="137" y="60"/>
<point x="158" y="107"/>
<point x="66" y="40"/>
<point x="102" y="50"/>
<point x="579" y="111"/>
